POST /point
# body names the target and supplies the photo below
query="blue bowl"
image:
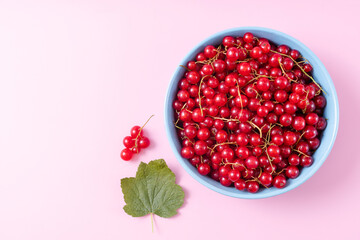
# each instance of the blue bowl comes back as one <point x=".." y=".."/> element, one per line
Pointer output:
<point x="320" y="74"/>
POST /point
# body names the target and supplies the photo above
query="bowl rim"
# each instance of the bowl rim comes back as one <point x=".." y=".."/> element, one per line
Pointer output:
<point x="240" y="194"/>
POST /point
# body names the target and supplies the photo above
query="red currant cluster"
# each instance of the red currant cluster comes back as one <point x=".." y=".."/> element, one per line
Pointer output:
<point x="249" y="113"/>
<point x="135" y="142"/>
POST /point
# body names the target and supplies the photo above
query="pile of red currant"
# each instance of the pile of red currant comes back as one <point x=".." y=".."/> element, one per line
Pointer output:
<point x="135" y="142"/>
<point x="249" y="113"/>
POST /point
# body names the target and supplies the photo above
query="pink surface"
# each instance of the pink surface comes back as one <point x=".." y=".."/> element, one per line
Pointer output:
<point x="75" y="76"/>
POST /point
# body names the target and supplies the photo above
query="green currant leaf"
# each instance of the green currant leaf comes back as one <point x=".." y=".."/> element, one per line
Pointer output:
<point x="152" y="191"/>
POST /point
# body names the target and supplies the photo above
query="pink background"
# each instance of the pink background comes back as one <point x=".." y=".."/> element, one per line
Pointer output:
<point x="75" y="76"/>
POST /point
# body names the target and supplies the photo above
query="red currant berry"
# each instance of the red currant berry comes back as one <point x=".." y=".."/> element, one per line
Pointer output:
<point x="298" y="123"/>
<point x="244" y="68"/>
<point x="228" y="41"/>
<point x="136" y="131"/>
<point x="144" y="142"/>
<point x="310" y="132"/>
<point x="200" y="147"/>
<point x="221" y="136"/>
<point x="227" y="154"/>
<point x="262" y="111"/>
<point x="248" y="37"/>
<point x="232" y="54"/>
<point x="294" y="54"/>
<point x="128" y="142"/>
<point x="256" y="52"/>
<point x="252" y="162"/>
<point x="126" y="154"/>
<point x="289" y="138"/>
<point x="263" y="84"/>
<point x="242" y="152"/>
<point x="234" y="175"/>
<point x="277" y="139"/>
<point x="285" y="120"/>
<point x="306" y="161"/>
<point x="279" y="181"/>
<point x="252" y="187"/>
<point x="280" y="96"/>
<point x="187" y="152"/>
<point x="265" y="178"/>
<point x="203" y="133"/>
<point x="210" y="51"/>
<point x="225" y="181"/>
<point x="273" y="151"/>
<point x="183" y="95"/>
<point x="198" y="115"/>
<point x="193" y="77"/>
<point x="240" y="184"/>
<point x="204" y="169"/>
<point x="312" y="119"/>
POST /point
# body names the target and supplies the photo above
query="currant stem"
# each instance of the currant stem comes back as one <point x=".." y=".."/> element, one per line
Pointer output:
<point x="301" y="152"/>
<point x="255" y="126"/>
<point x="219" y="144"/>
<point x="184" y="67"/>
<point x="300" y="138"/>
<point x="270" y="160"/>
<point x="297" y="64"/>
<point x="179" y="127"/>
<point x="226" y="119"/>
<point x="145" y="125"/>
<point x="142" y="129"/>
<point x="283" y="71"/>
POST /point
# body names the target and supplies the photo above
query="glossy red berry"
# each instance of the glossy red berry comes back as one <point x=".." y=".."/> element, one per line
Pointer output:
<point x="210" y="51"/>
<point x="310" y="132"/>
<point x="256" y="52"/>
<point x="279" y="181"/>
<point x="234" y="175"/>
<point x="198" y="115"/>
<point x="312" y="119"/>
<point x="193" y="77"/>
<point x="277" y="139"/>
<point x="252" y="187"/>
<point x="200" y="147"/>
<point x="240" y="184"/>
<point x="228" y="41"/>
<point x="204" y="169"/>
<point x="232" y="54"/>
<point x="227" y="154"/>
<point x="294" y="159"/>
<point x="224" y="171"/>
<point x="244" y="68"/>
<point x="126" y="154"/>
<point x="187" y="152"/>
<point x="252" y="162"/>
<point x="134" y="132"/>
<point x="262" y="111"/>
<point x="265" y="178"/>
<point x="144" y="142"/>
<point x="306" y="161"/>
<point x="190" y="131"/>
<point x="203" y="133"/>
<point x="292" y="172"/>
<point x="129" y="142"/>
<point x="273" y="151"/>
<point x="248" y="37"/>
<point x="298" y="123"/>
<point x="225" y="181"/>
<point x="290" y="138"/>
